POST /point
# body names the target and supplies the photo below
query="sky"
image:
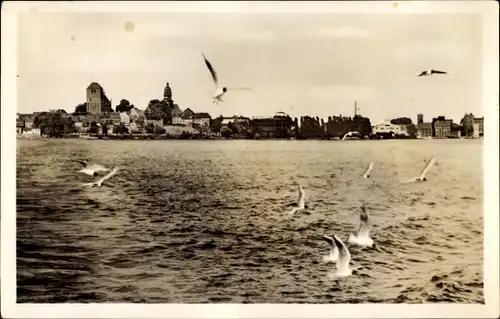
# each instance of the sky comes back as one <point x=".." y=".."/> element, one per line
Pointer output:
<point x="314" y="64"/>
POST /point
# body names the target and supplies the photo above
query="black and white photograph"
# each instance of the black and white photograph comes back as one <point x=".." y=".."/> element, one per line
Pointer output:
<point x="266" y="159"/>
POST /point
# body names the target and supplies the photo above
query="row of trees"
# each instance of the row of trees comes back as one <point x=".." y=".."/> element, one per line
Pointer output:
<point x="124" y="106"/>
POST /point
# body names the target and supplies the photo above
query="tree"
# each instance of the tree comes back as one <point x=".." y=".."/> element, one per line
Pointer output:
<point x="158" y="130"/>
<point x="226" y="131"/>
<point x="124" y="106"/>
<point x="104" y="130"/>
<point x="412" y="130"/>
<point x="81" y="108"/>
<point x="401" y="121"/>
<point x="158" y="110"/>
<point x="120" y="129"/>
<point x="54" y="123"/>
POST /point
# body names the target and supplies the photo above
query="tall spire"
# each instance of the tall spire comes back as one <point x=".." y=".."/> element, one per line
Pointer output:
<point x="355" y="108"/>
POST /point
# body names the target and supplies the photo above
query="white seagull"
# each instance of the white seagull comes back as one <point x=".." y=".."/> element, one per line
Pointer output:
<point x="430" y="72"/>
<point x="301" y="205"/>
<point x="363" y="237"/>
<point x="342" y="267"/>
<point x="334" y="251"/>
<point x="368" y="170"/>
<point x="219" y="90"/>
<point x="99" y="182"/>
<point x="424" y="171"/>
<point x="93" y="169"/>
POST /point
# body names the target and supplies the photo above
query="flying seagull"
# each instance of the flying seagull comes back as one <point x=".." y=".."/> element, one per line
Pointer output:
<point x="301" y="205"/>
<point x="342" y="267"/>
<point x="93" y="169"/>
<point x="424" y="171"/>
<point x="430" y="72"/>
<point x="219" y="90"/>
<point x="334" y="251"/>
<point x="363" y="237"/>
<point x="368" y="170"/>
<point x="99" y="182"/>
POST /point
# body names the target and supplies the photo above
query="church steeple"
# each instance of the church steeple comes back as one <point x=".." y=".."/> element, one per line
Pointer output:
<point x="167" y="93"/>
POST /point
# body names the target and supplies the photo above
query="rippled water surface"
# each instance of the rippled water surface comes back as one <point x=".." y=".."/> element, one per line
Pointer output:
<point x="206" y="221"/>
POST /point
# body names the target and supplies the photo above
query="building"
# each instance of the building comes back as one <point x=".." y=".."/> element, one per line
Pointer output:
<point x="97" y="101"/>
<point x="177" y="120"/>
<point x="441" y="127"/>
<point x="467" y="122"/>
<point x="277" y="126"/>
<point x="115" y="118"/>
<point x="201" y="119"/>
<point x="136" y="115"/>
<point x="124" y="118"/>
<point x="478" y="127"/>
<point x="388" y="127"/>
<point x="420" y="118"/>
<point x="424" y="130"/>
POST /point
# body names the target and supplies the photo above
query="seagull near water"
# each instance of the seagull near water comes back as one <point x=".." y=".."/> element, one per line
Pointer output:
<point x="424" y="171"/>
<point x="99" y="182"/>
<point x="93" y="169"/>
<point x="368" y="170"/>
<point x="301" y="205"/>
<point x="344" y="258"/>
<point x="363" y="237"/>
<point x="219" y="90"/>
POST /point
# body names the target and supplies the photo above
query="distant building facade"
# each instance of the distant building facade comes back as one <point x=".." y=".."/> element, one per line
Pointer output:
<point x="467" y="123"/>
<point x="478" y="127"/>
<point x="97" y="101"/>
<point x="441" y="127"/>
<point x="201" y="119"/>
<point x="388" y="127"/>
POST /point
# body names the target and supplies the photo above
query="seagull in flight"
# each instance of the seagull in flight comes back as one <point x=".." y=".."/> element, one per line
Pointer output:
<point x="301" y="205"/>
<point x="430" y="72"/>
<point x="424" y="171"/>
<point x="368" y="170"/>
<point x="93" y="169"/>
<point x="363" y="237"/>
<point x="219" y="90"/>
<point x="342" y="266"/>
<point x="99" y="182"/>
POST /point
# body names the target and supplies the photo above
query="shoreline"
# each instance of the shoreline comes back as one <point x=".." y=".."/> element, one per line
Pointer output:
<point x="145" y="137"/>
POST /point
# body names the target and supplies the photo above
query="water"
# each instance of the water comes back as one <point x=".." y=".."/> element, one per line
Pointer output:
<point x="205" y="221"/>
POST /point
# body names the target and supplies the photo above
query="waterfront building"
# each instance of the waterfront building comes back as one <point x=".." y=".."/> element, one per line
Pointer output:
<point x="97" y="101"/>
<point x="201" y="119"/>
<point x="441" y="127"/>
<point x="387" y="127"/>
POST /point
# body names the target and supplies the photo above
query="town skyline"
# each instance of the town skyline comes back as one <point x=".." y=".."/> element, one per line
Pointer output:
<point x="332" y="72"/>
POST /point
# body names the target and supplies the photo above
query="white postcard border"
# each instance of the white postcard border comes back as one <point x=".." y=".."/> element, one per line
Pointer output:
<point x="489" y="12"/>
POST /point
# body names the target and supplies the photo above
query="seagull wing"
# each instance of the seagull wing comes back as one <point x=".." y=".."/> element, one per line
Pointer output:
<point x="107" y="176"/>
<point x="368" y="169"/>
<point x="344" y="255"/>
<point x="365" y="224"/>
<point x="301" y="199"/>
<point x="212" y="71"/>
<point x="84" y="163"/>
<point x="427" y="167"/>
<point x="438" y="72"/>
<point x="329" y="240"/>
<point x="239" y="89"/>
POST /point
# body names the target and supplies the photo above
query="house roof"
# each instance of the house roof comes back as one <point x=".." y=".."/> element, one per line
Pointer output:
<point x="176" y="110"/>
<point x="114" y="116"/>
<point x="425" y="126"/>
<point x="202" y="115"/>
<point x="94" y="85"/>
<point x="188" y="110"/>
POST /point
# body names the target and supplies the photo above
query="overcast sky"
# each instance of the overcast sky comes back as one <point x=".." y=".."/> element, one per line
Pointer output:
<point x="313" y="63"/>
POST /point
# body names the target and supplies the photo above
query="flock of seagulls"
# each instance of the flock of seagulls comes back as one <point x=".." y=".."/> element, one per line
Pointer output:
<point x="339" y="253"/>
